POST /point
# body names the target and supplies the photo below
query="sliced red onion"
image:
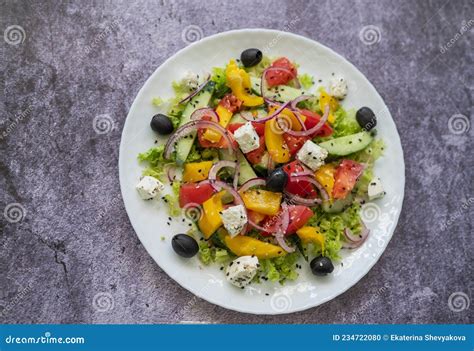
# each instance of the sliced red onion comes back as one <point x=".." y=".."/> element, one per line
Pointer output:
<point x="302" y="173"/>
<point x="218" y="166"/>
<point x="192" y="126"/>
<point x="270" y="116"/>
<point x="298" y="200"/>
<point x="313" y="129"/>
<point x="170" y="172"/>
<point x="295" y="102"/>
<point x="353" y="240"/>
<point x="198" y="89"/>
<point x="313" y="181"/>
<point x="251" y="183"/>
<point x="206" y="111"/>
<point x="270" y="164"/>
<point x="280" y="233"/>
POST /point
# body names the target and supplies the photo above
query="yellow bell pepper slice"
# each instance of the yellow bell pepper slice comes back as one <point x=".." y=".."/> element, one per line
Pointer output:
<point x="239" y="82"/>
<point x="211" y="219"/>
<point x="224" y="117"/>
<point x="326" y="99"/>
<point x="242" y="245"/>
<point x="275" y="143"/>
<point x="196" y="171"/>
<point x="311" y="235"/>
<point x="262" y="201"/>
<point x="325" y="176"/>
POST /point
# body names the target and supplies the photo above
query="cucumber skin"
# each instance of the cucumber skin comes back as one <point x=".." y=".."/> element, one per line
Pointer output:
<point x="246" y="171"/>
<point x="348" y="144"/>
<point x="288" y="93"/>
<point x="184" y="145"/>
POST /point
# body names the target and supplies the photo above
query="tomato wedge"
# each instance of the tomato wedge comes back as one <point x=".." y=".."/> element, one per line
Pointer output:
<point x="346" y="177"/>
<point x="298" y="187"/>
<point x="280" y="77"/>
<point x="312" y="119"/>
<point x="194" y="193"/>
<point x="294" y="143"/>
<point x="299" y="216"/>
<point x="221" y="144"/>
<point x="231" y="103"/>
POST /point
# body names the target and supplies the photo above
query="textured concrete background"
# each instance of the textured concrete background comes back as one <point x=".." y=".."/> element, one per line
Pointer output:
<point x="68" y="251"/>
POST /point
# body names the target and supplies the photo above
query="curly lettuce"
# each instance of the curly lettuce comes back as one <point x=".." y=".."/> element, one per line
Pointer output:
<point x="279" y="269"/>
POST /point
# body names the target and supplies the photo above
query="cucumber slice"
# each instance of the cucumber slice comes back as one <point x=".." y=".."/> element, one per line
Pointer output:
<point x="347" y="145"/>
<point x="246" y="170"/>
<point x="199" y="101"/>
<point x="282" y="93"/>
<point x="260" y="113"/>
<point x="338" y="205"/>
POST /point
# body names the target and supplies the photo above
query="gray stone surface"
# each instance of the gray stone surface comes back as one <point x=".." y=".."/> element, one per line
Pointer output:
<point x="74" y="241"/>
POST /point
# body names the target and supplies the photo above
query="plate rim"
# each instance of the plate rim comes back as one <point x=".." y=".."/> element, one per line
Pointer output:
<point x="312" y="42"/>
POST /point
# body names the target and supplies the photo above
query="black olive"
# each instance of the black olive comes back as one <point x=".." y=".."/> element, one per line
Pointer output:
<point x="277" y="180"/>
<point x="184" y="245"/>
<point x="161" y="124"/>
<point x="321" y="266"/>
<point x="251" y="57"/>
<point x="366" y="118"/>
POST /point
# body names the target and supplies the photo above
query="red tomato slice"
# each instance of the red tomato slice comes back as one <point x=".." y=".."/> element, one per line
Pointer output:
<point x="280" y="77"/>
<point x="255" y="216"/>
<point x="294" y="143"/>
<point x="345" y="178"/>
<point x="194" y="193"/>
<point x="312" y="119"/>
<point x="231" y="103"/>
<point x="298" y="187"/>
<point x="299" y="216"/>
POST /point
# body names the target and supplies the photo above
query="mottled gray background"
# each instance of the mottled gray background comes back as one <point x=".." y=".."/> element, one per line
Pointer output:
<point x="72" y="239"/>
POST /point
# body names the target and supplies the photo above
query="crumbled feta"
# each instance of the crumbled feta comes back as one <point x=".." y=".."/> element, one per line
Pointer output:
<point x="149" y="187"/>
<point x="234" y="219"/>
<point x="375" y="189"/>
<point x="241" y="271"/>
<point x="312" y="155"/>
<point x="191" y="80"/>
<point x="247" y="138"/>
<point x="338" y="87"/>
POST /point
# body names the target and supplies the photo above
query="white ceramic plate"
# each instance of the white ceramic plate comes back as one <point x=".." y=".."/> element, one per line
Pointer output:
<point x="149" y="217"/>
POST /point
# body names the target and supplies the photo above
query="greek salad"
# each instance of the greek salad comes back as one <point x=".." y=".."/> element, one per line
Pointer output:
<point x="267" y="166"/>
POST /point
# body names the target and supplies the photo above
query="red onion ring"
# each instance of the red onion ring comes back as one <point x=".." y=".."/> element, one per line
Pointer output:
<point x="314" y="129"/>
<point x="236" y="175"/>
<point x="280" y="233"/>
<point x="198" y="89"/>
<point x="170" y="172"/>
<point x="298" y="200"/>
<point x="353" y="244"/>
<point x="264" y="119"/>
<point x="298" y="100"/>
<point x="302" y="173"/>
<point x="251" y="183"/>
<point x="218" y="166"/>
<point x="191" y="126"/>
<point x="206" y="111"/>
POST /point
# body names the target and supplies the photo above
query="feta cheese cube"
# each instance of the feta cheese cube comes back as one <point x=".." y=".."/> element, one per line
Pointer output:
<point x="338" y="87"/>
<point x="247" y="138"/>
<point x="375" y="189"/>
<point x="312" y="155"/>
<point x="234" y="219"/>
<point x="241" y="271"/>
<point x="149" y="187"/>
